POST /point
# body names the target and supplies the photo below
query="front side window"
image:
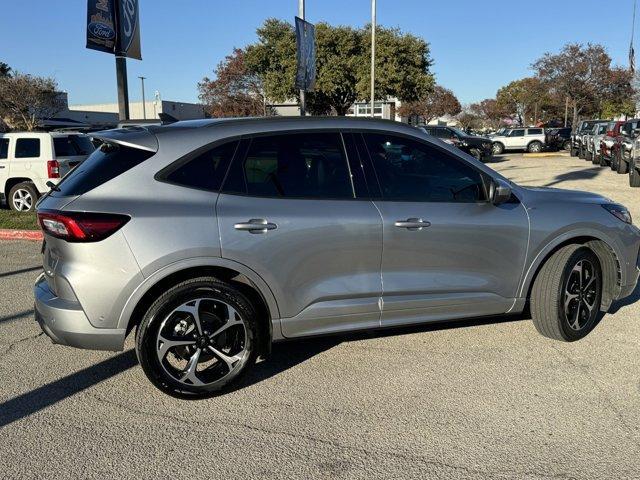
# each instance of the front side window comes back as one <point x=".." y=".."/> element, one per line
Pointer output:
<point x="27" y="148"/>
<point x="411" y="171"/>
<point x="4" y="148"/>
<point x="205" y="171"/>
<point x="300" y="165"/>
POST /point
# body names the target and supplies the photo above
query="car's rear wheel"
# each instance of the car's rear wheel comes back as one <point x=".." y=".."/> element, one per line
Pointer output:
<point x="567" y="146"/>
<point x="634" y="177"/>
<point x="566" y="295"/>
<point x="23" y="197"/>
<point x="534" y="147"/>
<point x="497" y="148"/>
<point x="198" y="338"/>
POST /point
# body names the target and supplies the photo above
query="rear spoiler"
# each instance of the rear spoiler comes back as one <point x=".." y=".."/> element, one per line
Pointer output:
<point x="134" y="137"/>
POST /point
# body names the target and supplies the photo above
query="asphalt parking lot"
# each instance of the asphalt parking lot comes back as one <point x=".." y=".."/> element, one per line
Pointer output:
<point x="478" y="399"/>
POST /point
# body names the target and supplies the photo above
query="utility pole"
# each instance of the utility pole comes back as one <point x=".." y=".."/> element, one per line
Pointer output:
<point x="303" y="100"/>
<point x="373" y="55"/>
<point x="144" y="106"/>
<point x="123" y="88"/>
<point x="566" y="111"/>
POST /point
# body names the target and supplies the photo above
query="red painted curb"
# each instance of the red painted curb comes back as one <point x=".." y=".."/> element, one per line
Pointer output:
<point x="35" y="235"/>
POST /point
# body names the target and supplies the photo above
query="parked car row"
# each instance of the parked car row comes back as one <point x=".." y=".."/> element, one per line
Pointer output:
<point x="478" y="147"/>
<point x="29" y="161"/>
<point x="609" y="143"/>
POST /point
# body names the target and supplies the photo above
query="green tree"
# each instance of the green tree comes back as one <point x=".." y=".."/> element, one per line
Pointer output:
<point x="5" y="70"/>
<point x="520" y="98"/>
<point x="342" y="60"/>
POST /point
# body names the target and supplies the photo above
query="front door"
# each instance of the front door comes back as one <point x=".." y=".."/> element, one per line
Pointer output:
<point x="289" y="211"/>
<point x="516" y="139"/>
<point x="447" y="251"/>
<point x="4" y="164"/>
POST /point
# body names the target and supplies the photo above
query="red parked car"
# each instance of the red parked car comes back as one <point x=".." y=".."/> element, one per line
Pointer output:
<point x="621" y="153"/>
<point x="608" y="142"/>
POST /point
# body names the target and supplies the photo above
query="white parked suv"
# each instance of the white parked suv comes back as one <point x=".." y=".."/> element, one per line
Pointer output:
<point x="530" y="139"/>
<point x="28" y="160"/>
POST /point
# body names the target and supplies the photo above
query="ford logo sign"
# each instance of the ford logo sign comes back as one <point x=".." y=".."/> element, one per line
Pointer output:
<point x="100" y="30"/>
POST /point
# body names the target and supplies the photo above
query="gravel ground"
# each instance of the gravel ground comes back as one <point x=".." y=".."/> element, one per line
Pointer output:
<point x="479" y="399"/>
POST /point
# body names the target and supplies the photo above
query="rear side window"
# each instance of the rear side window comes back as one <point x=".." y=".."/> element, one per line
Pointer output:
<point x="4" y="148"/>
<point x="205" y="171"/>
<point x="72" y="145"/>
<point x="301" y="165"/>
<point x="27" y="147"/>
<point x="535" y="131"/>
<point x="104" y="164"/>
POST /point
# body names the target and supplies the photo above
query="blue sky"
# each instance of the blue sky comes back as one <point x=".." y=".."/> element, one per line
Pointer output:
<point x="477" y="45"/>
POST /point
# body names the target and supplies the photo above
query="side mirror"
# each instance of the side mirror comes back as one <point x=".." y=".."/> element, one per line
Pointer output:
<point x="499" y="192"/>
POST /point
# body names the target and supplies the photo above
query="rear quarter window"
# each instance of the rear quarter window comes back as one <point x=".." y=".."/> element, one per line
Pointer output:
<point x="104" y="164"/>
<point x="28" y="148"/>
<point x="72" y="145"/>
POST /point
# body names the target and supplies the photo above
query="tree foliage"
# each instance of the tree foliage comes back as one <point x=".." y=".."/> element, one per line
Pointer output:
<point x="5" y="70"/>
<point x="235" y="92"/>
<point x="439" y="102"/>
<point x="25" y="99"/>
<point x="342" y="65"/>
<point x="489" y="112"/>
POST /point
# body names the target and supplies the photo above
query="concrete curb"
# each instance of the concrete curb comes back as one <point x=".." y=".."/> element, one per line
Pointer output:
<point x="546" y="154"/>
<point x="33" y="235"/>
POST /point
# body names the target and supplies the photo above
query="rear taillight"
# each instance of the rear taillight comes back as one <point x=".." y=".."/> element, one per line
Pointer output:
<point x="80" y="226"/>
<point x="53" y="169"/>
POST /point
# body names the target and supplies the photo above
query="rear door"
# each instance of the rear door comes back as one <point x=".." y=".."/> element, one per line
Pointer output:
<point x="289" y="209"/>
<point x="447" y="251"/>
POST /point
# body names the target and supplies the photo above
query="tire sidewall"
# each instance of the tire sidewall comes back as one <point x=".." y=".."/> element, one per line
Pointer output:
<point x="146" y="335"/>
<point x="31" y="188"/>
<point x="567" y="332"/>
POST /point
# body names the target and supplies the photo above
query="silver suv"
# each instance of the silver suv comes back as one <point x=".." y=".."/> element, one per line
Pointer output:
<point x="213" y="239"/>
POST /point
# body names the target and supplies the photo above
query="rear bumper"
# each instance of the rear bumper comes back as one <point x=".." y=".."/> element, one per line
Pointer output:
<point x="65" y="322"/>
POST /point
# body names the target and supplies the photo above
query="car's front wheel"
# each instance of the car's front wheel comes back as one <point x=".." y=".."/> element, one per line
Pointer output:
<point x="623" y="165"/>
<point x="634" y="177"/>
<point x="565" y="298"/>
<point x="497" y="148"/>
<point x="198" y="338"/>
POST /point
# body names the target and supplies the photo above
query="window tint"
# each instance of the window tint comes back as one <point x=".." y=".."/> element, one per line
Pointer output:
<point x="104" y="164"/>
<point x="4" y="148"/>
<point x="72" y="145"/>
<point x="444" y="133"/>
<point x="534" y="131"/>
<point x="301" y="165"/>
<point x="517" y="133"/>
<point x="412" y="171"/>
<point x="27" y="147"/>
<point x="206" y="171"/>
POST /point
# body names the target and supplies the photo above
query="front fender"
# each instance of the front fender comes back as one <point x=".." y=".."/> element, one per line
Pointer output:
<point x="562" y="237"/>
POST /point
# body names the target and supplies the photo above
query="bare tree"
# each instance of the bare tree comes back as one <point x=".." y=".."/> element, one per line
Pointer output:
<point x="26" y="99"/>
<point x="441" y="101"/>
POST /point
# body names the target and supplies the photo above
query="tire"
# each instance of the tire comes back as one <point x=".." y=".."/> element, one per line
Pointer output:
<point x="567" y="146"/>
<point x="623" y="166"/>
<point x="634" y="177"/>
<point x="475" y="153"/>
<point x="230" y="350"/>
<point x="614" y="162"/>
<point x="556" y="282"/>
<point x="581" y="153"/>
<point x="595" y="159"/>
<point x="534" y="147"/>
<point x="23" y="197"/>
<point x="574" y="152"/>
<point x="497" y="148"/>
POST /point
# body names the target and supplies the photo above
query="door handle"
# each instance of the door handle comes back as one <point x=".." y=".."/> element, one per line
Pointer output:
<point x="256" y="225"/>
<point x="1" y="166"/>
<point x="412" y="224"/>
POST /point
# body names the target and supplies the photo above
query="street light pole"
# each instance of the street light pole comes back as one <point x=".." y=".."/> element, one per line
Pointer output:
<point x="373" y="54"/>
<point x="303" y="100"/>
<point x="144" y="106"/>
<point x="123" y="88"/>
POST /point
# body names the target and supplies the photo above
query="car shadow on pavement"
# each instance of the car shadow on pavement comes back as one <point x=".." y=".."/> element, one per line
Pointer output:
<point x="288" y="354"/>
<point x="16" y="316"/>
<point x="33" y="401"/>
<point x="496" y="159"/>
<point x="584" y="174"/>
<point x="18" y="272"/>
<point x="633" y="298"/>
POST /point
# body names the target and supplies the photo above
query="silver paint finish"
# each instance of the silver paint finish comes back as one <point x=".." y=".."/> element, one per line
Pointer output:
<point x="321" y="265"/>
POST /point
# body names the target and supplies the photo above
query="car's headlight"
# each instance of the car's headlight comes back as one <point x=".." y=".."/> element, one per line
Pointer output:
<point x="619" y="211"/>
